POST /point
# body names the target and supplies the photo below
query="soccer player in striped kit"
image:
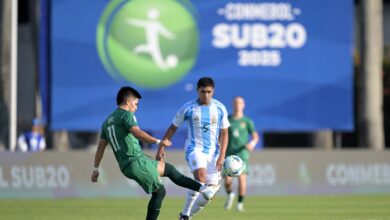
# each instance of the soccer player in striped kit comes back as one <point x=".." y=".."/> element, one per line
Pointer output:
<point x="206" y="143"/>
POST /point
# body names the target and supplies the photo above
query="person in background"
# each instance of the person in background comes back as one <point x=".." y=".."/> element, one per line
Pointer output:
<point x="33" y="140"/>
<point x="240" y="144"/>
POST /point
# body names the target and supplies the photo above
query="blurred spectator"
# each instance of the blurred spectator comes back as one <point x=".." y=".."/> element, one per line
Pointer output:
<point x="34" y="140"/>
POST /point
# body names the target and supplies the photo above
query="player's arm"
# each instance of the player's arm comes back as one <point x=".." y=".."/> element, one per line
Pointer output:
<point x="98" y="158"/>
<point x="254" y="140"/>
<point x="170" y="132"/>
<point x="254" y="136"/>
<point x="145" y="137"/>
<point x="223" y="139"/>
<point x="167" y="137"/>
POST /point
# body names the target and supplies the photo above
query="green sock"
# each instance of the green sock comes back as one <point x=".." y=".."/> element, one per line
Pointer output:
<point x="155" y="203"/>
<point x="241" y="198"/>
<point x="179" y="179"/>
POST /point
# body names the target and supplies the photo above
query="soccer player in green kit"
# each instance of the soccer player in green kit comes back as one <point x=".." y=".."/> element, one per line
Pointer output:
<point x="241" y="127"/>
<point x="121" y="131"/>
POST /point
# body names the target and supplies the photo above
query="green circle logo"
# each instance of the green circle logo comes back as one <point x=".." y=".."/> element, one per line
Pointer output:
<point x="151" y="43"/>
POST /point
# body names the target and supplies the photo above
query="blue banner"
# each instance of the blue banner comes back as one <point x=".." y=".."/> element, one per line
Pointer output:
<point x="290" y="60"/>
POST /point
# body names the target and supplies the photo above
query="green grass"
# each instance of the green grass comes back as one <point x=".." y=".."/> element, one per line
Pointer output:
<point x="372" y="207"/>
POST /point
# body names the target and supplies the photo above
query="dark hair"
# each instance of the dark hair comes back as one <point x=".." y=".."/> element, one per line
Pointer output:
<point x="205" y="82"/>
<point x="124" y="93"/>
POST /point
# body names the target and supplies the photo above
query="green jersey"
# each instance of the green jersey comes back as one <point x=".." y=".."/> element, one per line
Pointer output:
<point x="239" y="132"/>
<point x="116" y="130"/>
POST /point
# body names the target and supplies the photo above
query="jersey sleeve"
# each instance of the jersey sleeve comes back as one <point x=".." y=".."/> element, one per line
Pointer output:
<point x="180" y="117"/>
<point x="129" y="120"/>
<point x="251" y="126"/>
<point x="225" y="121"/>
<point x="103" y="134"/>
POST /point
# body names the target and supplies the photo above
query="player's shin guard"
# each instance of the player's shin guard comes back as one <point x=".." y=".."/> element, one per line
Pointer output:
<point x="190" y="199"/>
<point x="179" y="179"/>
<point x="199" y="204"/>
<point x="155" y="203"/>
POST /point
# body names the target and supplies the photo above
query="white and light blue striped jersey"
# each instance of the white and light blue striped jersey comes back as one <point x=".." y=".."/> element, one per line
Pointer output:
<point x="204" y="123"/>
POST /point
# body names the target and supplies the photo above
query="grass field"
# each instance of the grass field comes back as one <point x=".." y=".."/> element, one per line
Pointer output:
<point x="257" y="208"/>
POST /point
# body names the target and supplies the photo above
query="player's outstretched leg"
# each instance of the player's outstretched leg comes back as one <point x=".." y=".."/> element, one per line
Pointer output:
<point x="155" y="203"/>
<point x="208" y="192"/>
<point x="181" y="180"/>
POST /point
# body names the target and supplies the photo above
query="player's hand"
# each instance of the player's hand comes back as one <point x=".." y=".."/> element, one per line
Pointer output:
<point x="94" y="176"/>
<point x="220" y="162"/>
<point x="160" y="154"/>
<point x="249" y="147"/>
<point x="165" y="143"/>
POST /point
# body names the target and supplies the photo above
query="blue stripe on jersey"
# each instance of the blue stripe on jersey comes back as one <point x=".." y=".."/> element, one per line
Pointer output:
<point x="220" y="117"/>
<point x="206" y="122"/>
<point x="191" y="145"/>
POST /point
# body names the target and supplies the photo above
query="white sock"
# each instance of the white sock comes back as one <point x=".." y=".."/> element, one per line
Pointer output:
<point x="199" y="204"/>
<point x="190" y="199"/>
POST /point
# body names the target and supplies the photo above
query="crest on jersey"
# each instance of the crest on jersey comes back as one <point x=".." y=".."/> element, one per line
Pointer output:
<point x="194" y="163"/>
<point x="236" y="133"/>
<point x="213" y="120"/>
<point x="243" y="125"/>
<point x="196" y="118"/>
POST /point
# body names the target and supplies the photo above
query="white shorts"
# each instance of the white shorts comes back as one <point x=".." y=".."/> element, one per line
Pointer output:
<point x="198" y="160"/>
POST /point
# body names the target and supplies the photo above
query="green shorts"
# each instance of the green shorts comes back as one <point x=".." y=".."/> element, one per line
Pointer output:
<point x="144" y="171"/>
<point x="244" y="155"/>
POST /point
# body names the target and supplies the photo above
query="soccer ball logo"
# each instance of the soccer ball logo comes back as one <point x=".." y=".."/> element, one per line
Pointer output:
<point x="233" y="166"/>
<point x="144" y="42"/>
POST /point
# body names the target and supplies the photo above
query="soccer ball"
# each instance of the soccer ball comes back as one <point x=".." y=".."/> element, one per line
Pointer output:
<point x="233" y="166"/>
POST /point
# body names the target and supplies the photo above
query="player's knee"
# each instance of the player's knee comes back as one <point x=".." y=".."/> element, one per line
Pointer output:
<point x="201" y="179"/>
<point x="201" y="175"/>
<point x="160" y="193"/>
<point x="228" y="180"/>
<point x="161" y="168"/>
